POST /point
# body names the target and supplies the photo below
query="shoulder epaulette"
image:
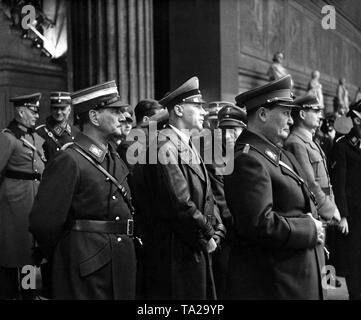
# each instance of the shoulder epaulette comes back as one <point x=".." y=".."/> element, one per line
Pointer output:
<point x="340" y="138"/>
<point x="39" y="127"/>
<point x="66" y="146"/>
<point x="267" y="153"/>
<point x="6" y="130"/>
<point x="246" y="148"/>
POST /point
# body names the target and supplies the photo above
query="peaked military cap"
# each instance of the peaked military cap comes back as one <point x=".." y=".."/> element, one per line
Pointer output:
<point x="127" y="116"/>
<point x="214" y="107"/>
<point x="30" y="101"/>
<point x="60" y="99"/>
<point x="98" y="96"/>
<point x="278" y="91"/>
<point x="119" y="104"/>
<point x="231" y="116"/>
<point x="308" y="101"/>
<point x="188" y="92"/>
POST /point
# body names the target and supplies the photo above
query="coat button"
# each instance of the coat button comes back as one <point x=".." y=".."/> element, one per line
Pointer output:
<point x="114" y="197"/>
<point x="119" y="239"/>
<point x="117" y="218"/>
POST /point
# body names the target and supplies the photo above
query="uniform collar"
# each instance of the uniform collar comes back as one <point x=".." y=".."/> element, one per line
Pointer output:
<point x="18" y="129"/>
<point x="261" y="143"/>
<point x="56" y="128"/>
<point x="91" y="147"/>
<point x="353" y="138"/>
<point x="303" y="134"/>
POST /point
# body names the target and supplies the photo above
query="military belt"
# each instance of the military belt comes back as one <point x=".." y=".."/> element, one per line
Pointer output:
<point x="22" y="175"/>
<point x="122" y="227"/>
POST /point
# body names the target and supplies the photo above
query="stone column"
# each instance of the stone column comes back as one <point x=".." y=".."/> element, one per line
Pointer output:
<point x="113" y="40"/>
<point x="202" y="38"/>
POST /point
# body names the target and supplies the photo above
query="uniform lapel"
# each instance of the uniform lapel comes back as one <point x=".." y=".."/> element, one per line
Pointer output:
<point x="120" y="170"/>
<point x="185" y="154"/>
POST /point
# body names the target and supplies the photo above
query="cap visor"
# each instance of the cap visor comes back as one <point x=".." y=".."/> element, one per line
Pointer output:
<point x="286" y="104"/>
<point x="227" y="123"/>
<point x="59" y="105"/>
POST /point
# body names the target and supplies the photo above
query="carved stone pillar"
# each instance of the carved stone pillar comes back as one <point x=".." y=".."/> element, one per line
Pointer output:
<point x="197" y="38"/>
<point x="113" y="40"/>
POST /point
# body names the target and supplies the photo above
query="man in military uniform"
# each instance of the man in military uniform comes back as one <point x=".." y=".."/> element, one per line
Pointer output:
<point x="57" y="130"/>
<point x="86" y="227"/>
<point x="231" y="121"/>
<point x="122" y="142"/>
<point x="275" y="250"/>
<point x="21" y="167"/>
<point x="307" y="116"/>
<point x="346" y="179"/>
<point x="211" y="119"/>
<point x="175" y="206"/>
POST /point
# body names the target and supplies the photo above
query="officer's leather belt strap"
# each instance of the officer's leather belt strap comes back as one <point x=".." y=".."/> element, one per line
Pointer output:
<point x="122" y="227"/>
<point x="122" y="190"/>
<point x="22" y="175"/>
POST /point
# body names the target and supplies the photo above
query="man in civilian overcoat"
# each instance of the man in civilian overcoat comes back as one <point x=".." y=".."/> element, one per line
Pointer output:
<point x="175" y="206"/>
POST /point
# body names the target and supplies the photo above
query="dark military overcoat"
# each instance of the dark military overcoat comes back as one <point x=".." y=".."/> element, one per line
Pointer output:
<point x="274" y="252"/>
<point x="55" y="136"/>
<point x="346" y="181"/>
<point x="86" y="265"/>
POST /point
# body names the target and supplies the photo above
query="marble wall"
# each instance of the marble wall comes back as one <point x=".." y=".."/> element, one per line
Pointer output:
<point x="294" y="27"/>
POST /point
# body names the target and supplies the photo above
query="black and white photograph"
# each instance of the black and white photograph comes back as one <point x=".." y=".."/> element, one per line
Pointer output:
<point x="172" y="151"/>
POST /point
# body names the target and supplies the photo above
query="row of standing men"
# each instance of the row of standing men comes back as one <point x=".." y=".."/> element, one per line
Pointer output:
<point x="180" y="230"/>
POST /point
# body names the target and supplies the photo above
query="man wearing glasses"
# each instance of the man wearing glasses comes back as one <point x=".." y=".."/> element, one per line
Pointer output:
<point x="21" y="166"/>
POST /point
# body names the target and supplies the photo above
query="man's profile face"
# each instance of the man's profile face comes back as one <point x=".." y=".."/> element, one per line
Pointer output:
<point x="312" y="118"/>
<point x="277" y="124"/>
<point x="193" y="116"/>
<point x="60" y="114"/>
<point x="110" y="121"/>
<point x="126" y="127"/>
<point x="29" y="117"/>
